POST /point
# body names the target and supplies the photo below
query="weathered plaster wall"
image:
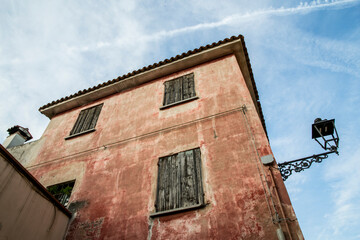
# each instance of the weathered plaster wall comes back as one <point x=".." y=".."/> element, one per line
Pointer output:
<point x="115" y="167"/>
<point x="26" y="153"/>
<point x="25" y="212"/>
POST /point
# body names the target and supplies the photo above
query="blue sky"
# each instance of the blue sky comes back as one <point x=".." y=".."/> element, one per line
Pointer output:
<point x="305" y="58"/>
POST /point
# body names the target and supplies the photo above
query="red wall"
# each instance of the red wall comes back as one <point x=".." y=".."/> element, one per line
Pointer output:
<point x="115" y="167"/>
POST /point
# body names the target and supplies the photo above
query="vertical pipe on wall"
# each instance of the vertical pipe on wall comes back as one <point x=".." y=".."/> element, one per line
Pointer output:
<point x="280" y="234"/>
<point x="263" y="181"/>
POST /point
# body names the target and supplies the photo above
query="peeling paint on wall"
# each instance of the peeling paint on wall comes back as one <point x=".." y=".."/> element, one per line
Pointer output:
<point x="89" y="229"/>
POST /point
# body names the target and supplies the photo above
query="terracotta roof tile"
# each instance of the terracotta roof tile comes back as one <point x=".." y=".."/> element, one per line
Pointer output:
<point x="166" y="61"/>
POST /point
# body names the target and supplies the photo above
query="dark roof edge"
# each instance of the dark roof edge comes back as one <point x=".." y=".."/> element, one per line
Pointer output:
<point x="33" y="180"/>
<point x="258" y="104"/>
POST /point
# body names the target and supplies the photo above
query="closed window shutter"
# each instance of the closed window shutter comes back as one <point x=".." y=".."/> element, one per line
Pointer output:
<point x="191" y="85"/>
<point x="172" y="91"/>
<point x="95" y="117"/>
<point x="87" y="119"/>
<point x="179" y="89"/>
<point x="179" y="181"/>
<point x="185" y="88"/>
<point x="79" y="122"/>
<point x="167" y="93"/>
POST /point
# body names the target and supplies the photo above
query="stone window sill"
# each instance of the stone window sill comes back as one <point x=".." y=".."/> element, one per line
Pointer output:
<point x="81" y="133"/>
<point x="177" y="210"/>
<point x="179" y="102"/>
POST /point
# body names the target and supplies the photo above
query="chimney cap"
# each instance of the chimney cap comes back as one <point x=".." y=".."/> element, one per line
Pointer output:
<point x="21" y="130"/>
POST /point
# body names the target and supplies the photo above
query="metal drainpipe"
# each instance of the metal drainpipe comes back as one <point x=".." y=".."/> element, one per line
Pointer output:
<point x="279" y="231"/>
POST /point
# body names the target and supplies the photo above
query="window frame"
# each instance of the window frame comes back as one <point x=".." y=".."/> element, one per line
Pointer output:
<point x="198" y="187"/>
<point x="84" y="118"/>
<point x="179" y="92"/>
<point x="67" y="203"/>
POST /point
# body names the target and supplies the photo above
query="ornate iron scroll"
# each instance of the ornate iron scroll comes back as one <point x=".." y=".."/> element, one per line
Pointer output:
<point x="287" y="168"/>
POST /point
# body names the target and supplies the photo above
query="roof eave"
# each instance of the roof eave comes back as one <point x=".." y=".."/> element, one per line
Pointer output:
<point x="236" y="47"/>
<point x="141" y="78"/>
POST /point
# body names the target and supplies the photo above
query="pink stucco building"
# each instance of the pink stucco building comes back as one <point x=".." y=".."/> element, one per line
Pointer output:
<point x="174" y="150"/>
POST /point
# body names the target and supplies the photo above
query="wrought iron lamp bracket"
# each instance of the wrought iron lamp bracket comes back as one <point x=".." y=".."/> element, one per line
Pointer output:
<point x="324" y="130"/>
<point x="287" y="168"/>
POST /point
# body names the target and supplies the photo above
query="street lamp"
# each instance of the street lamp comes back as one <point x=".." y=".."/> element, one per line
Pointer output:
<point x="325" y="130"/>
<point x="325" y="133"/>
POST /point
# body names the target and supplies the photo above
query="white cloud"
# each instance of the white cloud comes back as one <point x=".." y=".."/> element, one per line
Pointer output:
<point x="36" y="65"/>
<point x="344" y="179"/>
<point x="294" y="185"/>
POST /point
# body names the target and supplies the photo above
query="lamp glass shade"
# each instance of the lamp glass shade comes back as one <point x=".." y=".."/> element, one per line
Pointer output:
<point x="325" y="127"/>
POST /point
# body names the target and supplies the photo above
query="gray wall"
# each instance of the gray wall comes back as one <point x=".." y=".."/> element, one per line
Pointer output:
<point x="26" y="153"/>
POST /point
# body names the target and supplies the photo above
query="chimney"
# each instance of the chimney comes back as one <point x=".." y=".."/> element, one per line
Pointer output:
<point x="17" y="136"/>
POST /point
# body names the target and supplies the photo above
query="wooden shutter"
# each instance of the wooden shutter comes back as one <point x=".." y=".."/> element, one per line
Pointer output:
<point x="79" y="122"/>
<point x="179" y="89"/>
<point x="171" y="91"/>
<point x="87" y="119"/>
<point x="89" y="116"/>
<point x="191" y="85"/>
<point x="167" y="93"/>
<point x="179" y="181"/>
<point x="96" y="116"/>
<point x="185" y="88"/>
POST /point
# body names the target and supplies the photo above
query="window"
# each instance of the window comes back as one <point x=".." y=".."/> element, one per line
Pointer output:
<point x="179" y="90"/>
<point x="62" y="191"/>
<point x="86" y="120"/>
<point x="179" y="181"/>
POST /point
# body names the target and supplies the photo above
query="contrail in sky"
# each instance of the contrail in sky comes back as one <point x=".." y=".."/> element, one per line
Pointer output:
<point x="303" y="7"/>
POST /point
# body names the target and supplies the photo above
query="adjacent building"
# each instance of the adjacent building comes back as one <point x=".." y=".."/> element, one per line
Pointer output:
<point x="175" y="150"/>
<point x="27" y="210"/>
